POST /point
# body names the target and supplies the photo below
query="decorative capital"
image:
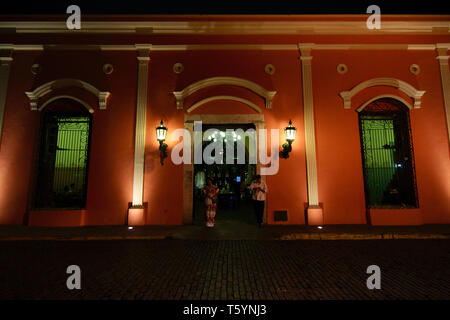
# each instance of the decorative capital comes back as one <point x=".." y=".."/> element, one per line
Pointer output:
<point x="143" y="52"/>
<point x="442" y="52"/>
<point x="5" y="55"/>
<point x="305" y="50"/>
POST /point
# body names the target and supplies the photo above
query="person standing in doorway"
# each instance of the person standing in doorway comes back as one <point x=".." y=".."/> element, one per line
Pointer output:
<point x="211" y="192"/>
<point x="259" y="189"/>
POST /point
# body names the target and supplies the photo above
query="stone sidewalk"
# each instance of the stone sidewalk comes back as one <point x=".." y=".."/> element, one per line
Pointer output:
<point x="226" y="230"/>
<point x="225" y="270"/>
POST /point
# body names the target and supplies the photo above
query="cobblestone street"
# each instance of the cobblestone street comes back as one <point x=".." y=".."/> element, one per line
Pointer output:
<point x="225" y="269"/>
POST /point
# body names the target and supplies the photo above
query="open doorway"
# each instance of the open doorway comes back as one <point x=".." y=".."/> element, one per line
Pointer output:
<point x="233" y="180"/>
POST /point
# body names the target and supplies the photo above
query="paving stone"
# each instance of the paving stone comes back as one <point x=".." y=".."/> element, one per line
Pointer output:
<point x="225" y="269"/>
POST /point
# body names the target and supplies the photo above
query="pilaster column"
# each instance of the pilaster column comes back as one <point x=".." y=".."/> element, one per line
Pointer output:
<point x="5" y="63"/>
<point x="188" y="175"/>
<point x="143" y="58"/>
<point x="315" y="214"/>
<point x="442" y="56"/>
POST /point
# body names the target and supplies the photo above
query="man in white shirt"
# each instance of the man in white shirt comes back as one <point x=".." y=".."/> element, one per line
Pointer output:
<point x="259" y="189"/>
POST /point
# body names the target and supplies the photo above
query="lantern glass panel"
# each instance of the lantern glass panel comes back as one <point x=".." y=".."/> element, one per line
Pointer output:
<point x="290" y="133"/>
<point x="161" y="133"/>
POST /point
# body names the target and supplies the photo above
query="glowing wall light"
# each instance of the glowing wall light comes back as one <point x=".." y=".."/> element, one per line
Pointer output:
<point x="161" y="132"/>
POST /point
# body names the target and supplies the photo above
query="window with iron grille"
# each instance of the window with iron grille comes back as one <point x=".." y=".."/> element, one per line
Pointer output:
<point x="63" y="160"/>
<point x="387" y="154"/>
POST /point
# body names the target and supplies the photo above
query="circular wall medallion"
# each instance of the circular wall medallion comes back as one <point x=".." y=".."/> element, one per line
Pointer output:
<point x="414" y="69"/>
<point x="36" y="68"/>
<point x="269" y="69"/>
<point x="178" y="67"/>
<point x="341" y="68"/>
<point x="108" y="68"/>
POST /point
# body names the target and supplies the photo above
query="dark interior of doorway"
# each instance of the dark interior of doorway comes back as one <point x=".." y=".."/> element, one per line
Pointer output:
<point x="387" y="154"/>
<point x="233" y="180"/>
<point x="63" y="156"/>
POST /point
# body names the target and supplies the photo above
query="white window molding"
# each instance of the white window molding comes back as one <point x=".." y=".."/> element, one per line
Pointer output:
<point x="390" y="82"/>
<point x="51" y="86"/>
<point x="216" y="81"/>
<point x="232" y="98"/>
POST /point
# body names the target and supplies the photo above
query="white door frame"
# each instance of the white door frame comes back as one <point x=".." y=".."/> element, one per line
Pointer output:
<point x="188" y="169"/>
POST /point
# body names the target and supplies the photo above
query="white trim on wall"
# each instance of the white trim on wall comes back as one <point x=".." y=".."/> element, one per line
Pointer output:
<point x="390" y="82"/>
<point x="143" y="59"/>
<point x="308" y="115"/>
<point x="5" y="66"/>
<point x="242" y="26"/>
<point x="216" y="81"/>
<point x="443" y="57"/>
<point x="225" y="47"/>
<point x="48" y="87"/>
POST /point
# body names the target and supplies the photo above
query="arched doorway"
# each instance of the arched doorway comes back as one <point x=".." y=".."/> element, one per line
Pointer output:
<point x="387" y="155"/>
<point x="63" y="155"/>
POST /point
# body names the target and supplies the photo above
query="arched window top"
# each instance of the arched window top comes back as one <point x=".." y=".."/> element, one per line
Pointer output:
<point x="51" y="86"/>
<point x="215" y="81"/>
<point x="384" y="104"/>
<point x="390" y="82"/>
<point x="50" y="101"/>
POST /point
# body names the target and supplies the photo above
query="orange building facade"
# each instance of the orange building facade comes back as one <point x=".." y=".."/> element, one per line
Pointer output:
<point x="324" y="73"/>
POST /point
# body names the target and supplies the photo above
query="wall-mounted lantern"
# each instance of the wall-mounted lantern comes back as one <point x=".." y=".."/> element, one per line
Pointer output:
<point x="161" y="133"/>
<point x="289" y="133"/>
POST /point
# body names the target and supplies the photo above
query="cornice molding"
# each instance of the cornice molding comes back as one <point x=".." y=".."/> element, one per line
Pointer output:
<point x="188" y="47"/>
<point x="230" y="27"/>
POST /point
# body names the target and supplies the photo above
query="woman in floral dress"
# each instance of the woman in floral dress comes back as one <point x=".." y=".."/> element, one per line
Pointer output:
<point x="211" y="192"/>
